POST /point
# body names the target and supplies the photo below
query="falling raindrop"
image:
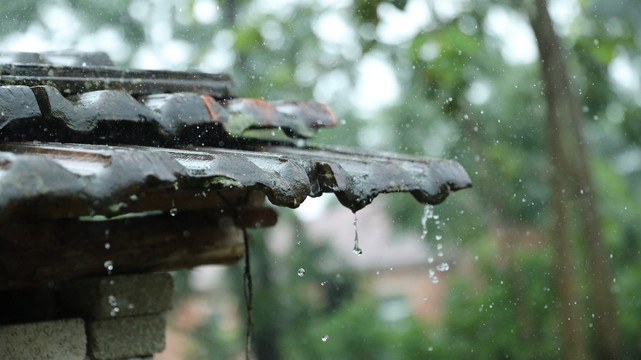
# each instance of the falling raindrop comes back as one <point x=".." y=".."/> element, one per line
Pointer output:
<point x="428" y="213"/>
<point x="357" y="248"/>
<point x="107" y="246"/>
<point x="113" y="302"/>
<point x="301" y="272"/>
<point x="325" y="338"/>
<point x="438" y="237"/>
<point x="109" y="265"/>
<point x="435" y="279"/>
<point x="173" y="211"/>
<point x="430" y="260"/>
<point x="443" y="267"/>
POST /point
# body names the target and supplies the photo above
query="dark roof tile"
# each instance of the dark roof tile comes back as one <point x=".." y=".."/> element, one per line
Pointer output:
<point x="189" y="117"/>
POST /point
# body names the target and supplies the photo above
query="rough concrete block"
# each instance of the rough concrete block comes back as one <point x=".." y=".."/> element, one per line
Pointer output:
<point x="51" y="340"/>
<point x="118" y="296"/>
<point x="126" y="337"/>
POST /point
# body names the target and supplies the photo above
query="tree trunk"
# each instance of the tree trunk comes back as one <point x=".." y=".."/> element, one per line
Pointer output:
<point x="572" y="189"/>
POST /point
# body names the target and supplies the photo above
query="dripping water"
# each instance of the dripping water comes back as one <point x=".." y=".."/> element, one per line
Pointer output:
<point x="109" y="265"/>
<point x="428" y="213"/>
<point x="113" y="302"/>
<point x="357" y="248"/>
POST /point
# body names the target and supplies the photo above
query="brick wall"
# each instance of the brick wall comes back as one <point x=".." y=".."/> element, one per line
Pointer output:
<point x="103" y="318"/>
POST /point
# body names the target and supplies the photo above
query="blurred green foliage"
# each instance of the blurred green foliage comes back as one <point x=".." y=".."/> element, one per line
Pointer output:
<point x="508" y="308"/>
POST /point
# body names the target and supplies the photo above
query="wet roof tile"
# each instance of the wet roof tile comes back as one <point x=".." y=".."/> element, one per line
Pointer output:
<point x="176" y="132"/>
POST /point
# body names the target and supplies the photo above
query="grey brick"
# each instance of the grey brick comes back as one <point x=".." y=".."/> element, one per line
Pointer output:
<point x="135" y="336"/>
<point x="50" y="340"/>
<point x="118" y="296"/>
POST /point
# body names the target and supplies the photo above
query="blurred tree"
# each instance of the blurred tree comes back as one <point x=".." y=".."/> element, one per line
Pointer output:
<point x="461" y="94"/>
<point x="573" y="190"/>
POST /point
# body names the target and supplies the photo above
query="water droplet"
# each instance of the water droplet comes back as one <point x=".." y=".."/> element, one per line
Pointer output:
<point x="107" y="246"/>
<point x="357" y="248"/>
<point x="438" y="237"/>
<point x="428" y="213"/>
<point x="424" y="298"/>
<point x="430" y="260"/>
<point x="114" y="311"/>
<point x="112" y="300"/>
<point x="443" y="267"/>
<point x="325" y="338"/>
<point x="109" y="265"/>
<point x="435" y="279"/>
<point x="301" y="272"/>
<point x="430" y="348"/>
<point x="173" y="211"/>
<point x="323" y="283"/>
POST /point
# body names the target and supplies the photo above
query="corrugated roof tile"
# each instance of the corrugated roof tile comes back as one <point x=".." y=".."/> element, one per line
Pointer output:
<point x="191" y="126"/>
